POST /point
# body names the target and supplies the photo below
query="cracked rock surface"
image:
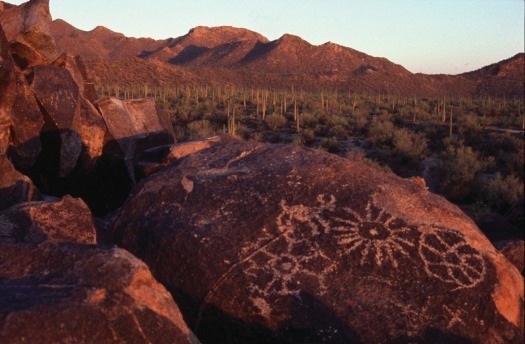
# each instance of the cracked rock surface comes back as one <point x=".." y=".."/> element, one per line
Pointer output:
<point x="66" y="293"/>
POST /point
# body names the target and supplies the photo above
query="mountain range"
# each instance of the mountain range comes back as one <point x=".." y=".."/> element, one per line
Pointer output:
<point x="218" y="55"/>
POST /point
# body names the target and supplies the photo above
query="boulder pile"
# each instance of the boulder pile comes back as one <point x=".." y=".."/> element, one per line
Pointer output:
<point x="220" y="240"/>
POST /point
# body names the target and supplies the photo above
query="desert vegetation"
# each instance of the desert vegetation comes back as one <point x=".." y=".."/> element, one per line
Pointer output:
<point x="468" y="149"/>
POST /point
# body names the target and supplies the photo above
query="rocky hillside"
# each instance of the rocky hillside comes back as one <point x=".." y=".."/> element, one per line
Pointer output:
<point x="243" y="57"/>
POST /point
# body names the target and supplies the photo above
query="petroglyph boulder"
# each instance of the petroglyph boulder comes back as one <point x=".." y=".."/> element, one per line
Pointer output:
<point x="52" y="293"/>
<point x="269" y="243"/>
<point x="68" y="220"/>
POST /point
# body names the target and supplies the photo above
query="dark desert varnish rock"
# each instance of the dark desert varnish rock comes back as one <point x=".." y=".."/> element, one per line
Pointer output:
<point x="20" y="117"/>
<point x="134" y="126"/>
<point x="67" y="220"/>
<point x="27" y="28"/>
<point x="58" y="95"/>
<point x="64" y="293"/>
<point x="157" y="158"/>
<point x="15" y="187"/>
<point x="268" y="243"/>
<point x="514" y="250"/>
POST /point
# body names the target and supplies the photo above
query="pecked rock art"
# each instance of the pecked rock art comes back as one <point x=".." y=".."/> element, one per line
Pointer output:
<point x="373" y="237"/>
<point x="291" y="253"/>
<point x="280" y="244"/>
<point x="448" y="258"/>
<point x="377" y="236"/>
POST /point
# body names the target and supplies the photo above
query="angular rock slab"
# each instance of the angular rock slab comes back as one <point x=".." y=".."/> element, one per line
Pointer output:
<point x="52" y="293"/>
<point x="134" y="125"/>
<point x="27" y="28"/>
<point x="20" y="117"/>
<point x="15" y="187"/>
<point x="272" y="243"/>
<point x="58" y="94"/>
<point x="68" y="220"/>
<point x="157" y="158"/>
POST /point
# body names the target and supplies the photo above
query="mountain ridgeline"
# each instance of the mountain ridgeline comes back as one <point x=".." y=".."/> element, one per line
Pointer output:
<point x="215" y="55"/>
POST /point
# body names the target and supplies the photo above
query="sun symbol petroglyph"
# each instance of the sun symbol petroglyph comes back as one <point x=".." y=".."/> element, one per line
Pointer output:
<point x="377" y="235"/>
<point x="448" y="258"/>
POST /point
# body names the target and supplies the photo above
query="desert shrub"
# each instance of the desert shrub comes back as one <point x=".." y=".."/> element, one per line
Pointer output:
<point x="410" y="145"/>
<point x="200" y="129"/>
<point x="308" y="120"/>
<point x="275" y="121"/>
<point x="381" y="133"/>
<point x="181" y="133"/>
<point x="243" y="132"/>
<point x="338" y="131"/>
<point x="330" y="144"/>
<point x="469" y="123"/>
<point x="516" y="163"/>
<point x="335" y="120"/>
<point x="501" y="192"/>
<point x="208" y="107"/>
<point x="460" y="166"/>
<point x="360" y="123"/>
<point x="308" y="136"/>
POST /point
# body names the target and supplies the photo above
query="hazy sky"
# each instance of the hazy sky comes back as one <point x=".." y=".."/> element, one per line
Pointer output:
<point x="428" y="36"/>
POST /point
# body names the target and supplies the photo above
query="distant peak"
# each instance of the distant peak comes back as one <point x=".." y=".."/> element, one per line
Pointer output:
<point x="101" y="28"/>
<point x="228" y="33"/>
<point x="289" y="37"/>
<point x="293" y="40"/>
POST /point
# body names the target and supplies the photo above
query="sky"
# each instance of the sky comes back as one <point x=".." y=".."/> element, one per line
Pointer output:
<point x="424" y="36"/>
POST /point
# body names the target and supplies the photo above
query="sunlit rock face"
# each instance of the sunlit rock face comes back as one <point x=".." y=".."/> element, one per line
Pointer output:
<point x="272" y="243"/>
<point x="65" y="220"/>
<point x="15" y="187"/>
<point x="60" y="293"/>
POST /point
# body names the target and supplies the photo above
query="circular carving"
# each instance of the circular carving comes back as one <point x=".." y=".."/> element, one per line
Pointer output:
<point x="448" y="258"/>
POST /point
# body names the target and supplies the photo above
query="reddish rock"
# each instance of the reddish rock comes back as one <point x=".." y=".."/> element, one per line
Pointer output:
<point x="14" y="187"/>
<point x="52" y="293"/>
<point x="157" y="158"/>
<point x="76" y="67"/>
<point x="5" y="132"/>
<point x="20" y="117"/>
<point x="269" y="243"/>
<point x="92" y="133"/>
<point x="58" y="94"/>
<point x="514" y="251"/>
<point x="181" y="150"/>
<point x="419" y="181"/>
<point x="134" y="125"/>
<point x="68" y="220"/>
<point x="27" y="28"/>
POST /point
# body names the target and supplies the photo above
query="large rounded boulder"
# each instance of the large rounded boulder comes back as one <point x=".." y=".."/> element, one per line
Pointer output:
<point x="268" y="243"/>
<point x="59" y="293"/>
